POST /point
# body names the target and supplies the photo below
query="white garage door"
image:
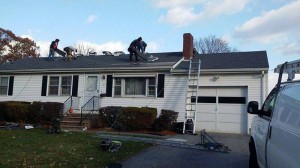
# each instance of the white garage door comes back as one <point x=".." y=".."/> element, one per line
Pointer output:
<point x="222" y="109"/>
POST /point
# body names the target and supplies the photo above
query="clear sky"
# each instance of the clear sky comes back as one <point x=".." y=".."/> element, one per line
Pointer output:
<point x="248" y="25"/>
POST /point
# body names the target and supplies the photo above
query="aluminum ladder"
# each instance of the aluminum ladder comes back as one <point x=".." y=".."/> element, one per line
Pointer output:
<point x="189" y="124"/>
<point x="291" y="68"/>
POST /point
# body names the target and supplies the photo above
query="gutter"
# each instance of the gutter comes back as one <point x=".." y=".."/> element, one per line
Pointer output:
<point x="224" y="71"/>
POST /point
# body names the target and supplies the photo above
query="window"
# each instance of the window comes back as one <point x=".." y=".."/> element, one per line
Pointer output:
<point x="91" y="83"/>
<point x="204" y="99"/>
<point x="60" y="85"/>
<point x="3" y="85"/>
<point x="232" y="100"/>
<point x="134" y="86"/>
<point x="269" y="103"/>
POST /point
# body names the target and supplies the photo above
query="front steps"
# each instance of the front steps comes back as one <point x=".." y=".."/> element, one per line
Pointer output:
<point x="71" y="122"/>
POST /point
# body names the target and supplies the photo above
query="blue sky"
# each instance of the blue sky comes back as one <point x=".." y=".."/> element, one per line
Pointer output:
<point x="248" y="25"/>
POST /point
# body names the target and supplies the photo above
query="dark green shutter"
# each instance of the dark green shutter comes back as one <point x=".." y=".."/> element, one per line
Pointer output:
<point x="11" y="86"/>
<point x="75" y="85"/>
<point x="109" y="82"/>
<point x="160" y="85"/>
<point x="44" y="86"/>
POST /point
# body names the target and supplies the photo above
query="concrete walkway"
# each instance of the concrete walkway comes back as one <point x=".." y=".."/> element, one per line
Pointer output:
<point x="174" y="157"/>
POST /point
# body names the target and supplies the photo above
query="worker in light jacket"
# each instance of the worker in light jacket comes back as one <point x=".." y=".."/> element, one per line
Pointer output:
<point x="53" y="49"/>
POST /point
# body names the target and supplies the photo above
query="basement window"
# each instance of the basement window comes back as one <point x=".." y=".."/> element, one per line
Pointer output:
<point x="134" y="86"/>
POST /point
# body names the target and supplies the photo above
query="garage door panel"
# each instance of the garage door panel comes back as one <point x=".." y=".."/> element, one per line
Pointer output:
<point x="232" y="109"/>
<point x="232" y="91"/>
<point x="226" y="114"/>
<point x="232" y="118"/>
<point x="232" y="127"/>
<point x="209" y="126"/>
<point x="205" y="117"/>
<point x="207" y="108"/>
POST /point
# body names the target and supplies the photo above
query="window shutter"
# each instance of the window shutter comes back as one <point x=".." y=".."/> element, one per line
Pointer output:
<point x="11" y="85"/>
<point x="44" y="86"/>
<point x="160" y="85"/>
<point x="75" y="85"/>
<point x="109" y="82"/>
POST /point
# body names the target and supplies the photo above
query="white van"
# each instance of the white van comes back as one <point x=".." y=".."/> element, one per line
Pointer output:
<point x="275" y="131"/>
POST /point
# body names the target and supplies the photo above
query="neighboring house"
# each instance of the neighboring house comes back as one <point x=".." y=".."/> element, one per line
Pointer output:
<point x="227" y="82"/>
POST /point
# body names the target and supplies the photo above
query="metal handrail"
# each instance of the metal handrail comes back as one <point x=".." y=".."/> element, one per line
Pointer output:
<point x="91" y="110"/>
<point x="71" y="99"/>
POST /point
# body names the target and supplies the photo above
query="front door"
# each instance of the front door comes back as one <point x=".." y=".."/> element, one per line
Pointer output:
<point x="91" y="87"/>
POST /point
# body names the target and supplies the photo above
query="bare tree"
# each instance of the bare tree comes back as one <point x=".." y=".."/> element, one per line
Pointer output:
<point x="14" y="48"/>
<point x="212" y="44"/>
<point x="84" y="49"/>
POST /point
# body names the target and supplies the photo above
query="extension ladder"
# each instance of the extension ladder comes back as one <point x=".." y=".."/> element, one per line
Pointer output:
<point x="291" y="68"/>
<point x="189" y="124"/>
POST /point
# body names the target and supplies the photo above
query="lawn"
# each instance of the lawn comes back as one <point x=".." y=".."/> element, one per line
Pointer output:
<point x="36" y="148"/>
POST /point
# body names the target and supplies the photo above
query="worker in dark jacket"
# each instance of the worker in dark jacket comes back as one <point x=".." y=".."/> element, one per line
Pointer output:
<point x="142" y="46"/>
<point x="53" y="49"/>
<point x="133" y="48"/>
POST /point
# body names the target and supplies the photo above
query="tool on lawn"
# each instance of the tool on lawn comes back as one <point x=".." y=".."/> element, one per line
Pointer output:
<point x="109" y="145"/>
<point x="164" y="142"/>
<point x="55" y="126"/>
<point x="209" y="143"/>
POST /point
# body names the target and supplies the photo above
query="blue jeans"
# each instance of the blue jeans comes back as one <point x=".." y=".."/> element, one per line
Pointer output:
<point x="51" y="55"/>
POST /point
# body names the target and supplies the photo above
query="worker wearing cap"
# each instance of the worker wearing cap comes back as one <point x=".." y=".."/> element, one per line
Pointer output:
<point x="133" y="48"/>
<point x="53" y="49"/>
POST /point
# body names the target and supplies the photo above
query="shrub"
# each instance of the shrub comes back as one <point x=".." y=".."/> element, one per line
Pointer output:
<point x="51" y="110"/>
<point x="16" y="111"/>
<point x="133" y="118"/>
<point x="37" y="112"/>
<point x="127" y="118"/>
<point x="166" y="120"/>
<point x="108" y="116"/>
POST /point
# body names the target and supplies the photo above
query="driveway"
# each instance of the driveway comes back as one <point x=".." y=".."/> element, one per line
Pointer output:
<point x="175" y="157"/>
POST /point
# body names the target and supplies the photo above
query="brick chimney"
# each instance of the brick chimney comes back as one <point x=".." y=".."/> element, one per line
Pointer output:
<point x="188" y="46"/>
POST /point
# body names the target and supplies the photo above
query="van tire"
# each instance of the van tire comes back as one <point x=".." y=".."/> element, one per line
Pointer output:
<point x="252" y="158"/>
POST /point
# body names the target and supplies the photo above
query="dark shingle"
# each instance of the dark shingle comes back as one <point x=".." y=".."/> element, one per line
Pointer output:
<point x="235" y="60"/>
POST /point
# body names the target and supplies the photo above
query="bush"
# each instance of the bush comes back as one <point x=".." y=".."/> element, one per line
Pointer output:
<point x="16" y="112"/>
<point x="37" y="112"/>
<point x="127" y="118"/>
<point x="109" y="115"/>
<point x="166" y="120"/>
<point x="133" y="118"/>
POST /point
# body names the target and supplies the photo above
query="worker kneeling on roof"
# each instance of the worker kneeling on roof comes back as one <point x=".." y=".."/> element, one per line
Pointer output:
<point x="70" y="52"/>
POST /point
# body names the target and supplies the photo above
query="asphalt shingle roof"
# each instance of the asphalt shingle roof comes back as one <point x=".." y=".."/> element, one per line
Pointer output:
<point x="236" y="60"/>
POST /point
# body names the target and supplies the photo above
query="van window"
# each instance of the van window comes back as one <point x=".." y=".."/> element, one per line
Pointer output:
<point x="268" y="106"/>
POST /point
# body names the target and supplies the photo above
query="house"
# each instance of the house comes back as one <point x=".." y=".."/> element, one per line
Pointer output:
<point x="227" y="82"/>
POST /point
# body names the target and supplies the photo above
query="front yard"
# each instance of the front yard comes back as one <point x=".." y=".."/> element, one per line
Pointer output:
<point x="36" y="148"/>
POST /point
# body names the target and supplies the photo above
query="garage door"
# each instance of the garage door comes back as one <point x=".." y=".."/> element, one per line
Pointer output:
<point x="222" y="109"/>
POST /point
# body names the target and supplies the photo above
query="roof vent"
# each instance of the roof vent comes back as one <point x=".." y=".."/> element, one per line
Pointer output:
<point x="107" y="53"/>
<point x="92" y="53"/>
<point x="118" y="53"/>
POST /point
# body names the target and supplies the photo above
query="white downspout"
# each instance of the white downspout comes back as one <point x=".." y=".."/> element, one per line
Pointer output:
<point x="262" y="87"/>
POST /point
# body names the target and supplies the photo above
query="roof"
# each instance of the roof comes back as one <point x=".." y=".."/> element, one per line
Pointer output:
<point x="229" y="61"/>
<point x="166" y="61"/>
<point x="87" y="63"/>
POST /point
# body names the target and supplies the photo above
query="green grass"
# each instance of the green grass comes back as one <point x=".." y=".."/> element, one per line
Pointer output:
<point x="36" y="148"/>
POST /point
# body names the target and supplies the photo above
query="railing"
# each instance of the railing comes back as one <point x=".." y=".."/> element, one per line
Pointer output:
<point x="71" y="102"/>
<point x="90" y="106"/>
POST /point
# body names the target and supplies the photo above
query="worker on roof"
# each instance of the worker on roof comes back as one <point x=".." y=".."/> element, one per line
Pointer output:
<point x="70" y="52"/>
<point x="53" y="49"/>
<point x="133" y="48"/>
<point x="142" y="46"/>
